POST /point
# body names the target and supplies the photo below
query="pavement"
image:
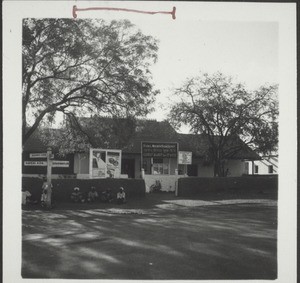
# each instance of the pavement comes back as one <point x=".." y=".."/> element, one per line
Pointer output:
<point x="157" y="237"/>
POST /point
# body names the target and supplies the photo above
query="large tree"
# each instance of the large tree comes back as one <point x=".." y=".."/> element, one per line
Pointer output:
<point x="232" y="118"/>
<point x="84" y="66"/>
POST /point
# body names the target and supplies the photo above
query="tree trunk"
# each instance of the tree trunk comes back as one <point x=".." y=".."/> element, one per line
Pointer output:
<point x="218" y="168"/>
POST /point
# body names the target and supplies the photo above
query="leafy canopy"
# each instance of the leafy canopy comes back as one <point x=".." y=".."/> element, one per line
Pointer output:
<point x="227" y="114"/>
<point x="80" y="67"/>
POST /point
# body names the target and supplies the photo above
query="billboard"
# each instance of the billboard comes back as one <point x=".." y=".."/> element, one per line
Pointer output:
<point x="159" y="150"/>
<point x="105" y="163"/>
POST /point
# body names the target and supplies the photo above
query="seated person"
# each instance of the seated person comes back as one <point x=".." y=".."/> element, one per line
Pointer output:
<point x="76" y="196"/>
<point x="92" y="195"/>
<point x="26" y="197"/>
<point x="106" y="196"/>
<point x="121" y="196"/>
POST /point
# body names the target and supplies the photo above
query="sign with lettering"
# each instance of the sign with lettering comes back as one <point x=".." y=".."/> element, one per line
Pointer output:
<point x="159" y="150"/>
<point x="55" y="163"/>
<point x="184" y="157"/>
<point x="35" y="163"/>
<point x="40" y="155"/>
<point x="60" y="163"/>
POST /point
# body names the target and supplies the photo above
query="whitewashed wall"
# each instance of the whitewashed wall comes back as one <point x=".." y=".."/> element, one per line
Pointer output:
<point x="167" y="182"/>
<point x="81" y="163"/>
<point x="236" y="168"/>
<point x="263" y="166"/>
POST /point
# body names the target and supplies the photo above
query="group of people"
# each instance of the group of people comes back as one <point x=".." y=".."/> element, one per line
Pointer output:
<point x="93" y="196"/>
<point x="46" y="196"/>
<point x="76" y="196"/>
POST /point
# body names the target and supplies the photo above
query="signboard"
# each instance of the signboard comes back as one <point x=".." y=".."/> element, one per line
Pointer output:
<point x="35" y="163"/>
<point x="40" y="155"/>
<point x="55" y="163"/>
<point x="159" y="150"/>
<point x="184" y="157"/>
<point x="105" y="163"/>
<point x="60" y="163"/>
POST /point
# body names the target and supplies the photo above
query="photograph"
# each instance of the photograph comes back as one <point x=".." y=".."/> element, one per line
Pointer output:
<point x="153" y="141"/>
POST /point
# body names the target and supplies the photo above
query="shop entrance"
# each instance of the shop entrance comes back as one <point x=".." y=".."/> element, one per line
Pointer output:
<point x="128" y="167"/>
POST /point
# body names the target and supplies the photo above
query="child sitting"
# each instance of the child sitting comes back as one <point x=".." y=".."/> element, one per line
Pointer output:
<point x="92" y="195"/>
<point x="121" y="196"/>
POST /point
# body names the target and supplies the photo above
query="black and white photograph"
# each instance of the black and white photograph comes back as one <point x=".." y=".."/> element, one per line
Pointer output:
<point x="149" y="141"/>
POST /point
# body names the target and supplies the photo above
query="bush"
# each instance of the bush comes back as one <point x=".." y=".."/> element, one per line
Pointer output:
<point x="245" y="184"/>
<point x="62" y="188"/>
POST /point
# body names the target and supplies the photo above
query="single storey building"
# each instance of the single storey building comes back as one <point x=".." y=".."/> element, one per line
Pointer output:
<point x="154" y="151"/>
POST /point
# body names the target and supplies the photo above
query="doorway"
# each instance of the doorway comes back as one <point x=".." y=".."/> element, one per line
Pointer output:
<point x="128" y="167"/>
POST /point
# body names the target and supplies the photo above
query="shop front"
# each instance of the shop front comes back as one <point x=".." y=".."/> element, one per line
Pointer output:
<point x="161" y="163"/>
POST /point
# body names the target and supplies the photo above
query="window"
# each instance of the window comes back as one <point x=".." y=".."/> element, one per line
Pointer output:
<point x="270" y="167"/>
<point x="256" y="169"/>
<point x="160" y="166"/>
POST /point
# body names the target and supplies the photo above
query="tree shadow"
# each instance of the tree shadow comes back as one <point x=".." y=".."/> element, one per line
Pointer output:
<point x="217" y="242"/>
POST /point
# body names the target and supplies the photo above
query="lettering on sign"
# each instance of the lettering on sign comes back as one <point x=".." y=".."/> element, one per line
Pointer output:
<point x="55" y="163"/>
<point x="40" y="155"/>
<point x="35" y="163"/>
<point x="159" y="150"/>
<point x="60" y="163"/>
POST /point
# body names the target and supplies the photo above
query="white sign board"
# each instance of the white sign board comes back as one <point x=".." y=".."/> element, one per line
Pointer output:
<point x="35" y="163"/>
<point x="40" y="155"/>
<point x="60" y="163"/>
<point x="184" y="157"/>
<point x="55" y="163"/>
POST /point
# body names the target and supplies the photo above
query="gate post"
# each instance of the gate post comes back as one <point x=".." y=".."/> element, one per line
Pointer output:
<point x="49" y="173"/>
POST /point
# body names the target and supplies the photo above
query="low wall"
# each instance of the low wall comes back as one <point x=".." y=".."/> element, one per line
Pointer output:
<point x="245" y="184"/>
<point x="62" y="188"/>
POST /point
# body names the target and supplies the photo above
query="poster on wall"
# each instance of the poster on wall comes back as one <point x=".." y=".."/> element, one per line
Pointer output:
<point x="113" y="164"/>
<point x="98" y="163"/>
<point x="184" y="157"/>
<point x="105" y="163"/>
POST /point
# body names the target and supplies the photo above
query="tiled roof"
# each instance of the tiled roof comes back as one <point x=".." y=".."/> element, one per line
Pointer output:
<point x="155" y="131"/>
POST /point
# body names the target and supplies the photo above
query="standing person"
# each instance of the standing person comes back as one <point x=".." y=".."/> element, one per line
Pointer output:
<point x="121" y="196"/>
<point x="47" y="194"/>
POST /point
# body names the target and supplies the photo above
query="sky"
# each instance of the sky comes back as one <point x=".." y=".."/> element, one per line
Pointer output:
<point x="244" y="49"/>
